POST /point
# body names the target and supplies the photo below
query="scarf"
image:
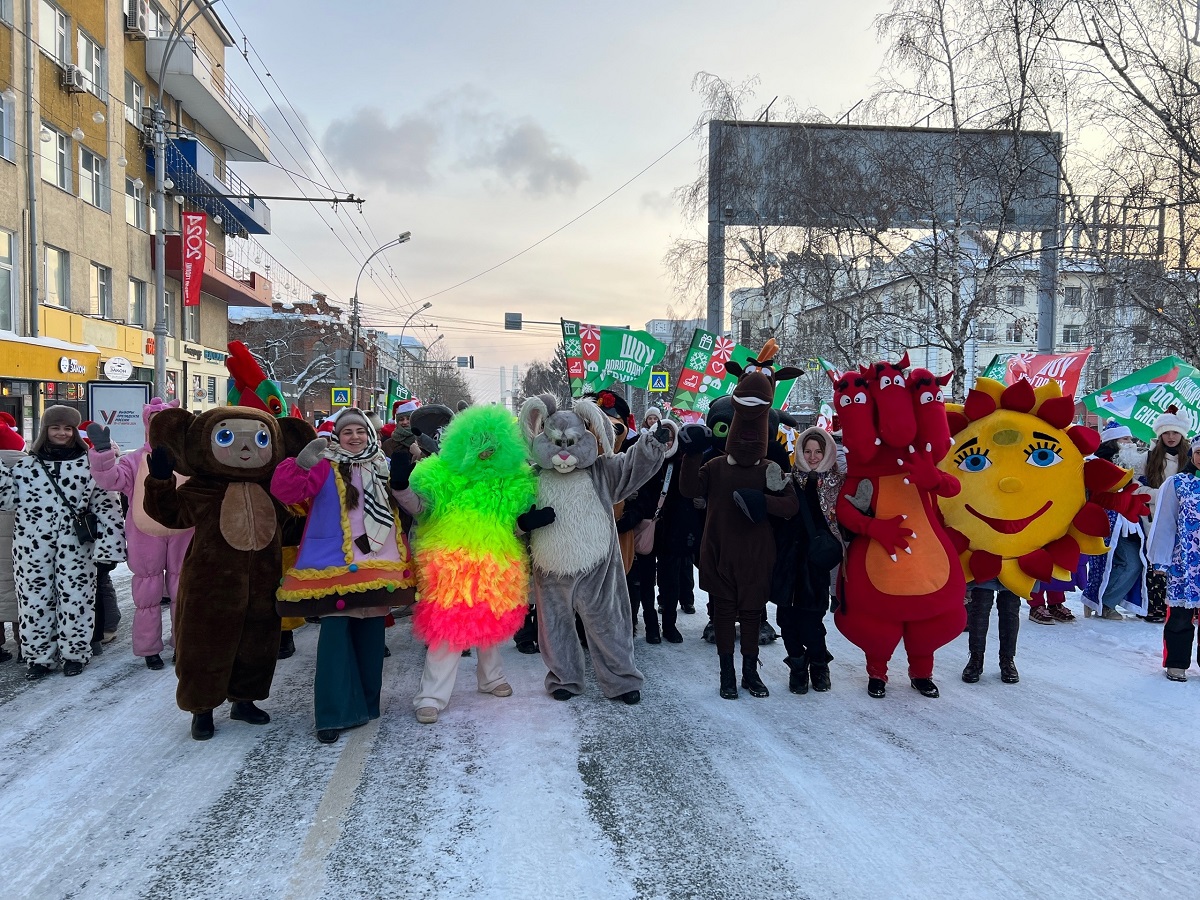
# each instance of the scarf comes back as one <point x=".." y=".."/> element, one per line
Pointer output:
<point x="373" y="469"/>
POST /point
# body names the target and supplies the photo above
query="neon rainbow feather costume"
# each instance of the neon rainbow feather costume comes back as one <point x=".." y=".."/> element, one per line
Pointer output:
<point x="472" y="570"/>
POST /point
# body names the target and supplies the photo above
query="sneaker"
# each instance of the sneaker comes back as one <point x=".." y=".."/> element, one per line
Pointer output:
<point x="1039" y="615"/>
<point x="504" y="689"/>
<point x="72" y="667"/>
<point x="328" y="735"/>
<point x="527" y="647"/>
<point x="36" y="671"/>
<point x="427" y="715"/>
<point x="1112" y="615"/>
<point x="1060" y="613"/>
<point x="1172" y="674"/>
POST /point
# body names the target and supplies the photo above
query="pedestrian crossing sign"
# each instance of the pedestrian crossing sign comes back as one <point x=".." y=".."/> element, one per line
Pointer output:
<point x="339" y="396"/>
<point x="659" y="382"/>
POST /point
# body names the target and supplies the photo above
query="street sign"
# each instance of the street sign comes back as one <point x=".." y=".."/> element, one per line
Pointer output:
<point x="512" y="321"/>
<point x="659" y="382"/>
<point x="339" y="396"/>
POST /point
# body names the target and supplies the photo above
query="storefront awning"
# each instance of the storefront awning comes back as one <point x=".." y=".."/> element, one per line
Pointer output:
<point x="47" y="359"/>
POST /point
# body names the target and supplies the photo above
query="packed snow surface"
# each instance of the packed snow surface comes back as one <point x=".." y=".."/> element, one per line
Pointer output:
<point x="1081" y="781"/>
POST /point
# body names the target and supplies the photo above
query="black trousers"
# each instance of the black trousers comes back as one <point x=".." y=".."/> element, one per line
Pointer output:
<point x="675" y="583"/>
<point x="803" y="633"/>
<point x="1179" y="633"/>
<point x="979" y="616"/>
<point x="640" y="582"/>
<point x="1156" y="587"/>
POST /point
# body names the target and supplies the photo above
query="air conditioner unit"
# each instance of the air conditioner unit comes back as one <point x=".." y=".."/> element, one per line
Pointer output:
<point x="74" y="80"/>
<point x="137" y="19"/>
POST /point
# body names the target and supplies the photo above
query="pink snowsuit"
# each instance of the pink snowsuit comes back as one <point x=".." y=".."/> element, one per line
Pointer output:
<point x="155" y="559"/>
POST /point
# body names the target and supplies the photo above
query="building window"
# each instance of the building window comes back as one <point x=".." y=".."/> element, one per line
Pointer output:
<point x="137" y="302"/>
<point x="135" y="203"/>
<point x="191" y="324"/>
<point x="93" y="185"/>
<point x="54" y="32"/>
<point x="7" y="124"/>
<point x="1141" y="334"/>
<point x="6" y="12"/>
<point x="1016" y="295"/>
<point x="1014" y="332"/>
<point x="1072" y="334"/>
<point x="986" y="332"/>
<point x="56" y="158"/>
<point x="8" y="282"/>
<point x="100" y="290"/>
<point x="1106" y="297"/>
<point x="1073" y="297"/>
<point x="157" y="22"/>
<point x="91" y="63"/>
<point x="212" y="389"/>
<point x="135" y="96"/>
<point x="58" y="277"/>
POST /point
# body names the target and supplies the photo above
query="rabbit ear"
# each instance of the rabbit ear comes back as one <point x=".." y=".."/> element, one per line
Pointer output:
<point x="532" y="417"/>
<point x="597" y="423"/>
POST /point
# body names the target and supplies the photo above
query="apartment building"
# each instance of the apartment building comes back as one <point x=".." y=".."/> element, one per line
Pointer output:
<point x="87" y="72"/>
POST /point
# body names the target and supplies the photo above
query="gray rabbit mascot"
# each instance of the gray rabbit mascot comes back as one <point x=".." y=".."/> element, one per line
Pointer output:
<point x="576" y="561"/>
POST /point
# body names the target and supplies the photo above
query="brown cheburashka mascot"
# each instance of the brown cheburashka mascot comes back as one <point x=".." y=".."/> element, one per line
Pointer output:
<point x="227" y="630"/>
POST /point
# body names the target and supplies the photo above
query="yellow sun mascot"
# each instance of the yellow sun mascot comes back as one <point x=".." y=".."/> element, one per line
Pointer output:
<point x="1031" y="503"/>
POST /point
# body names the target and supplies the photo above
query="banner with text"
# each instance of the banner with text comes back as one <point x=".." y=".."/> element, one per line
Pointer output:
<point x="599" y="356"/>
<point x="1141" y="397"/>
<point x="704" y="377"/>
<point x="1042" y="368"/>
<point x="195" y="248"/>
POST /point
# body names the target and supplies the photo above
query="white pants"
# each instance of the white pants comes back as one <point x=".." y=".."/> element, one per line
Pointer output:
<point x="441" y="668"/>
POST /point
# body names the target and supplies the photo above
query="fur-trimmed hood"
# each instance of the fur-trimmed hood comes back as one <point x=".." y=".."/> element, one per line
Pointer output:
<point x="828" y="461"/>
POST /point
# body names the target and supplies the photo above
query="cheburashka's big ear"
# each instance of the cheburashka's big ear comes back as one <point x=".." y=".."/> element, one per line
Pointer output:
<point x="295" y="435"/>
<point x="532" y="417"/>
<point x="787" y="373"/>
<point x="597" y="423"/>
<point x="734" y="368"/>
<point x="169" y="429"/>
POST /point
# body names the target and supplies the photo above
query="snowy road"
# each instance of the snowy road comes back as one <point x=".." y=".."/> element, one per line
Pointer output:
<point x="1081" y="781"/>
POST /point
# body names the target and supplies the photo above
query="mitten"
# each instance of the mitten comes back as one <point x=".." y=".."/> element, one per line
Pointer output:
<point x="694" y="439"/>
<point x="891" y="534"/>
<point x="535" y="518"/>
<point x="663" y="434"/>
<point x="401" y="468"/>
<point x="311" y="454"/>
<point x="160" y="464"/>
<point x="1128" y="502"/>
<point x="100" y="436"/>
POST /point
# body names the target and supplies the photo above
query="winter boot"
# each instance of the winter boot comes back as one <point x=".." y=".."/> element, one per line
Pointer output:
<point x="653" y="635"/>
<point x="766" y="634"/>
<point x="819" y="672"/>
<point x="876" y="687"/>
<point x="974" y="668"/>
<point x="728" y="677"/>
<point x="750" y="679"/>
<point x="246" y="711"/>
<point x="1008" y="670"/>
<point x="202" y="725"/>
<point x="925" y="686"/>
<point x="798" y="679"/>
<point x="72" y="667"/>
<point x="710" y="632"/>
<point x="154" y="662"/>
<point x="669" y="632"/>
<point x="287" y="645"/>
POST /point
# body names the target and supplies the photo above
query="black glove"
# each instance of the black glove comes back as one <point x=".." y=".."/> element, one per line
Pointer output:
<point x="100" y="436"/>
<point x="694" y="439"/>
<point x="402" y="467"/>
<point x="160" y="464"/>
<point x="535" y="518"/>
<point x="663" y="435"/>
<point x="752" y="503"/>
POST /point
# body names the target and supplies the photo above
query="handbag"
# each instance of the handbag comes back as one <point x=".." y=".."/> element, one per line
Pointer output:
<point x="824" y="550"/>
<point x="85" y="524"/>
<point x="643" y="532"/>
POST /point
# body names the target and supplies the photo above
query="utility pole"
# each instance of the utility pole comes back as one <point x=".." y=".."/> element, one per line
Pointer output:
<point x="31" y="175"/>
<point x="354" y="360"/>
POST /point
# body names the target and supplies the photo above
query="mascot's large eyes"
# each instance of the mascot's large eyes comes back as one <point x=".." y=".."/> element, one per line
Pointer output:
<point x="1043" y="456"/>
<point x="720" y="429"/>
<point x="860" y="399"/>
<point x="263" y="439"/>
<point x="223" y="438"/>
<point x="885" y="381"/>
<point x="276" y="406"/>
<point x="898" y="381"/>
<point x="974" y="462"/>
<point x="926" y="397"/>
<point x="844" y="400"/>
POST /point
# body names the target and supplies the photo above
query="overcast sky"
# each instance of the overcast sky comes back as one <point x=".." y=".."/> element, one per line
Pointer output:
<point x="482" y="127"/>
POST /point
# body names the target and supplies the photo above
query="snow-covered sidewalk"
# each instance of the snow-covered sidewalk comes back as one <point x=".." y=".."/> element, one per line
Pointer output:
<point x="1078" y="782"/>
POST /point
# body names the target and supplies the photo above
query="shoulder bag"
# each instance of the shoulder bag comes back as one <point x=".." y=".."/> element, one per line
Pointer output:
<point x="85" y="524"/>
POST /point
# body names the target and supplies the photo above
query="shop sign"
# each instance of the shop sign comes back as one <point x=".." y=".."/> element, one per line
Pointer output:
<point x="149" y="346"/>
<point x="69" y="366"/>
<point x="195" y="246"/>
<point x="192" y="353"/>
<point x="118" y="368"/>
<point x="214" y="356"/>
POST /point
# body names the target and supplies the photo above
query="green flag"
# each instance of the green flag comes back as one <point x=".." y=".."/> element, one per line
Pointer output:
<point x="396" y="392"/>
<point x="599" y="356"/>
<point x="1141" y="397"/>
<point x="704" y="376"/>
<point x="998" y="367"/>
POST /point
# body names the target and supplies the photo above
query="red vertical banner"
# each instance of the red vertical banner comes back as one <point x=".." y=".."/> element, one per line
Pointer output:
<point x="195" y="247"/>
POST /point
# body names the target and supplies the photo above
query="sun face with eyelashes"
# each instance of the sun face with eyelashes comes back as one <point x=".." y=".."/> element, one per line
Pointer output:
<point x="1023" y="514"/>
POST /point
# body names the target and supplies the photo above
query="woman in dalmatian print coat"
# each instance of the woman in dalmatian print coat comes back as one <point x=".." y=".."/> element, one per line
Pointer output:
<point x="55" y="574"/>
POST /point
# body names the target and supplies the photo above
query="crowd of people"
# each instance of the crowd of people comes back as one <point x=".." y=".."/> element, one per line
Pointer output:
<point x="562" y="530"/>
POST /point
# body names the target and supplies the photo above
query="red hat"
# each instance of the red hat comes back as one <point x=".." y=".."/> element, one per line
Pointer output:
<point x="9" y="438"/>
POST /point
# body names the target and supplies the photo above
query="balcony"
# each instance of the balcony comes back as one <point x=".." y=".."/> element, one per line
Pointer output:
<point x="200" y="84"/>
<point x="223" y="278"/>
<point x="195" y="170"/>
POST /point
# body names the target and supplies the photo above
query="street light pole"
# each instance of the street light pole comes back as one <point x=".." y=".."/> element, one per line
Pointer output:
<point x="159" y="142"/>
<point x="402" y="238"/>
<point x="419" y="309"/>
